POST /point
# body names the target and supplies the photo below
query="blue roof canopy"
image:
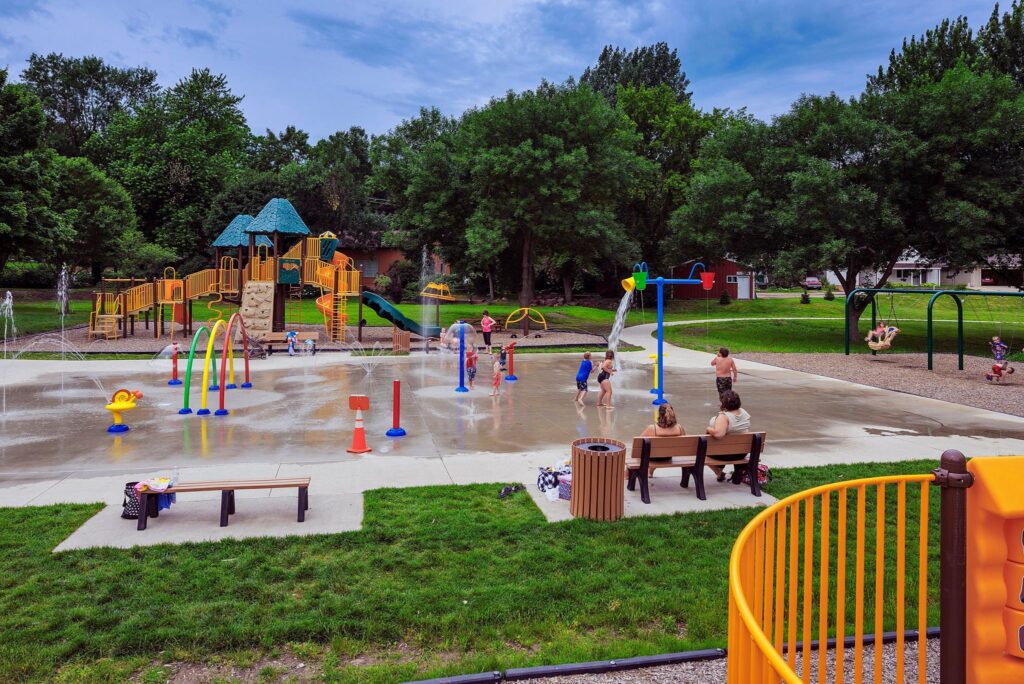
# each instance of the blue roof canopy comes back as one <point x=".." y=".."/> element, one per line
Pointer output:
<point x="235" y="236"/>
<point x="278" y="216"/>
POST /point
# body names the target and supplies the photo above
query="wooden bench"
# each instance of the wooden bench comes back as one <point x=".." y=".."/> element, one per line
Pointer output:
<point x="272" y="338"/>
<point x="692" y="453"/>
<point x="148" y="507"/>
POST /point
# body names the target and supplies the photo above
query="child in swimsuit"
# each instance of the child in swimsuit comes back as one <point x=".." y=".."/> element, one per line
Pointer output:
<point x="604" y="379"/>
<point x="582" y="375"/>
<point x="496" y="376"/>
<point x="471" y="366"/>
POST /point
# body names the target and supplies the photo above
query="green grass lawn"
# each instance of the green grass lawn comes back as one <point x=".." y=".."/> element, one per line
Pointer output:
<point x="464" y="581"/>
<point x="997" y="315"/>
<point x="41" y="315"/>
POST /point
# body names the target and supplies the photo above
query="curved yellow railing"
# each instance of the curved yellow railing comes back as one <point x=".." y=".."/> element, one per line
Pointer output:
<point x="794" y="554"/>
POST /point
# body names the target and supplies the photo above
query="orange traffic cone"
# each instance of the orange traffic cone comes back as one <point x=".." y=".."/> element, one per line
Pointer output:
<point x="359" y="437"/>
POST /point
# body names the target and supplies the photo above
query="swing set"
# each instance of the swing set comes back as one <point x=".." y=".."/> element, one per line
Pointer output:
<point x="885" y="342"/>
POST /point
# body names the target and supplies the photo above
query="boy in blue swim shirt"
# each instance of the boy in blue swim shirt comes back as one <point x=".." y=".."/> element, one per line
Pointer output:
<point x="582" y="375"/>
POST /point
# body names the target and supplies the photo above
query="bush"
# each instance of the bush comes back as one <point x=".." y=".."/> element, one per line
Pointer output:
<point x="381" y="283"/>
<point x="830" y="293"/>
<point x="142" y="259"/>
<point x="28" y="274"/>
<point x="405" y="275"/>
<point x="725" y="299"/>
<point x="805" y="298"/>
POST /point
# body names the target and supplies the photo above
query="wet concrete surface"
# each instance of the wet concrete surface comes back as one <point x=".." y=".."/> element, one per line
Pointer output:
<point x="297" y="412"/>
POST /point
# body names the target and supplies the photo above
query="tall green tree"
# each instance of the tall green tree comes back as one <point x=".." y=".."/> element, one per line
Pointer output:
<point x="545" y="171"/>
<point x="272" y="152"/>
<point x="96" y="208"/>
<point x="28" y="225"/>
<point x="1001" y="42"/>
<point x="671" y="132"/>
<point x="649" y="66"/>
<point x="174" y="156"/>
<point x="81" y="95"/>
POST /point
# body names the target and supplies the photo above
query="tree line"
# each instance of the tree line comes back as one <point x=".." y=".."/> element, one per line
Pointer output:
<point x="554" y="187"/>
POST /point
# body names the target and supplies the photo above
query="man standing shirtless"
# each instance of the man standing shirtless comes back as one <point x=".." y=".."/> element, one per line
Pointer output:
<point x="725" y="370"/>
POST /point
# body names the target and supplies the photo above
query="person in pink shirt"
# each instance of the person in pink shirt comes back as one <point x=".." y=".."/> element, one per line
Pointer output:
<point x="486" y="323"/>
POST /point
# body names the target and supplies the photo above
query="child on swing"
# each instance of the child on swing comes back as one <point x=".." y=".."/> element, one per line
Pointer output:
<point x="878" y="334"/>
<point x="1001" y="367"/>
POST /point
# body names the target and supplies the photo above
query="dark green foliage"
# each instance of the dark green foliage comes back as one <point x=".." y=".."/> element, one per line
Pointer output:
<point x="830" y="294"/>
<point x="725" y="299"/>
<point x="650" y="66"/>
<point x="81" y="95"/>
<point x="28" y="224"/>
<point x="805" y="298"/>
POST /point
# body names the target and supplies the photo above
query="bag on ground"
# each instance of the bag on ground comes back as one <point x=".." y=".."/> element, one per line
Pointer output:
<point x="130" y="505"/>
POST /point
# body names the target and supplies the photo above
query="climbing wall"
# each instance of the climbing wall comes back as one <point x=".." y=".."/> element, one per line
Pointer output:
<point x="258" y="307"/>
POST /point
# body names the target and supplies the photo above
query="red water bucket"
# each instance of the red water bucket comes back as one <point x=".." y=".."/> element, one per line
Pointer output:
<point x="707" y="279"/>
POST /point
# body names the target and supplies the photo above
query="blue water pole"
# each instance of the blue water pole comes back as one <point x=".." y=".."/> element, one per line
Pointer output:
<point x="462" y="358"/>
<point x="660" y="399"/>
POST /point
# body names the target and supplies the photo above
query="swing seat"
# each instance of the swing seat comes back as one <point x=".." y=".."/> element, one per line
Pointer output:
<point x="885" y="342"/>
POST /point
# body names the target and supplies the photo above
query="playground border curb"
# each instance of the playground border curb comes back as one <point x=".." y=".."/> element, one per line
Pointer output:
<point x="638" y="662"/>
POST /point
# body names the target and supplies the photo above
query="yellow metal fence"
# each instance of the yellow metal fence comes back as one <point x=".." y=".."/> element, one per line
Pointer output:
<point x="813" y="566"/>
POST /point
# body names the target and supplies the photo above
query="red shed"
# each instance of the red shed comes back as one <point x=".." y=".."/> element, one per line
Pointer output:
<point x="730" y="276"/>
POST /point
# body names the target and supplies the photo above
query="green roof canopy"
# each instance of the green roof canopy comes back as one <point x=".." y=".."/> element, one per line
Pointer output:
<point x="278" y="216"/>
<point x="235" y="236"/>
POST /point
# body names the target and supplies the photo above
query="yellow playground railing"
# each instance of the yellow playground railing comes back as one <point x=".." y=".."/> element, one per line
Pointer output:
<point x="138" y="298"/>
<point x="201" y="283"/>
<point x="813" y="566"/>
<point x="106" y="304"/>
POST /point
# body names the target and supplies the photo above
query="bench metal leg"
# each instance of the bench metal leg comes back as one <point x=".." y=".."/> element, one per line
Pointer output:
<point x="698" y="468"/>
<point x="631" y="481"/>
<point x="225" y="505"/>
<point x="143" y="510"/>
<point x="154" y="508"/>
<point x="231" y="502"/>
<point x="303" y="503"/>
<point x="685" y="479"/>
<point x="645" y="492"/>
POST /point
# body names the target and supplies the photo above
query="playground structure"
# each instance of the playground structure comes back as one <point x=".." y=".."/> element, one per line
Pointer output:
<point x="227" y="365"/>
<point x="639" y="281"/>
<point x="461" y="330"/>
<point x="526" y="315"/>
<point x="390" y="312"/>
<point x="794" y="557"/>
<point x="252" y="269"/>
<point x="955" y="295"/>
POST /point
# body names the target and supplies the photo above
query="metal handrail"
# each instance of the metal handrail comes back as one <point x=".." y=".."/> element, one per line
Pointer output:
<point x="764" y="610"/>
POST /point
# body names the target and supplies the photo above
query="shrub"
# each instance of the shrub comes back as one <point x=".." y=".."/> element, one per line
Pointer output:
<point x="28" y="274"/>
<point x="725" y="299"/>
<point x="805" y="298"/>
<point x="830" y="293"/>
<point x="381" y="283"/>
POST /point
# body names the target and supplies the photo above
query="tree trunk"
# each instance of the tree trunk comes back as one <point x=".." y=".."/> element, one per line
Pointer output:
<point x="526" y="286"/>
<point x="97" y="272"/>
<point x="848" y="281"/>
<point x="490" y="286"/>
<point x="567" y="286"/>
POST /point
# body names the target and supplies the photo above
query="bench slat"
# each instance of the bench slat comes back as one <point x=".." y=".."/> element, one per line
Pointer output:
<point x="212" y="486"/>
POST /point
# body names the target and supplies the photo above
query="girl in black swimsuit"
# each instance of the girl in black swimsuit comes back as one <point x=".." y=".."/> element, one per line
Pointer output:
<point x="604" y="379"/>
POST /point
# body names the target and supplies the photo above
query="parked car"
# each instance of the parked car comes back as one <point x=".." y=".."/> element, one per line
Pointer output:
<point x="988" y="280"/>
<point x="812" y="283"/>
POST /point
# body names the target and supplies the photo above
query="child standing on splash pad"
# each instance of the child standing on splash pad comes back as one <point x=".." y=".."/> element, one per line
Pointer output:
<point x="496" y="375"/>
<point x="471" y="366"/>
<point x="582" y="375"/>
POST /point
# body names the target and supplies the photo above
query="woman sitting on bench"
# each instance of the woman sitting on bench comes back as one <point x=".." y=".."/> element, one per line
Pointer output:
<point x="666" y="425"/>
<point x="731" y="418"/>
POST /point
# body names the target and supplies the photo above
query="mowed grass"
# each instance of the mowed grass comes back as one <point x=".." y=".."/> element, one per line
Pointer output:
<point x="817" y="336"/>
<point x="35" y="316"/>
<point x="463" y="581"/>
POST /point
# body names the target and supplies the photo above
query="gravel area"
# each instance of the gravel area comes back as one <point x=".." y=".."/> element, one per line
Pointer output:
<point x="715" y="670"/>
<point x="909" y="373"/>
<point x="143" y="341"/>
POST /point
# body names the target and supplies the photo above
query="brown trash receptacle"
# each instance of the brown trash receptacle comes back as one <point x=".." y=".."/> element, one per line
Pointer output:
<point x="598" y="478"/>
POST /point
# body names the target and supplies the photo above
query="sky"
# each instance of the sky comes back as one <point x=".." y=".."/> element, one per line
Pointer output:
<point x="325" y="66"/>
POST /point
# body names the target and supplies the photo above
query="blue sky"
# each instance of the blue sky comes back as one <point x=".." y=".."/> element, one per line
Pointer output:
<point x="325" y="66"/>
